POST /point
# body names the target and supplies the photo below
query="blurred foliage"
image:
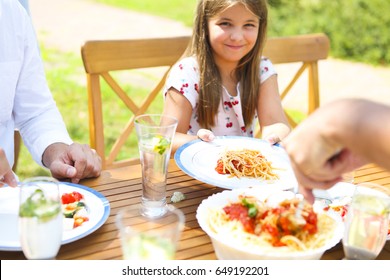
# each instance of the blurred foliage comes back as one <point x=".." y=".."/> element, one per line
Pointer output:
<point x="358" y="29"/>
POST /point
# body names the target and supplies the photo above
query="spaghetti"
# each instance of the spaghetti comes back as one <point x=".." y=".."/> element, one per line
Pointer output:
<point x="271" y="228"/>
<point x="246" y="163"/>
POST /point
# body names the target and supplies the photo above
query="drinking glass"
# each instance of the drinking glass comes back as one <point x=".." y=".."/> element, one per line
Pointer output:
<point x="155" y="135"/>
<point x="367" y="222"/>
<point x="149" y="238"/>
<point x="40" y="218"/>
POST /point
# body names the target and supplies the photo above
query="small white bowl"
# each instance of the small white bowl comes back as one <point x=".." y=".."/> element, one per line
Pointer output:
<point x="225" y="247"/>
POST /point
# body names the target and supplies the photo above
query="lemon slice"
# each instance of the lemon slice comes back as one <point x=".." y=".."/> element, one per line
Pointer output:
<point x="375" y="205"/>
<point x="160" y="144"/>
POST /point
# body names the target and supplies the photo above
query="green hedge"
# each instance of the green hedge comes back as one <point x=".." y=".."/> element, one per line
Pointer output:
<point x="358" y="29"/>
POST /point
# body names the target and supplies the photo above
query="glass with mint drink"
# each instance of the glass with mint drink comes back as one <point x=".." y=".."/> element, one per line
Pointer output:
<point x="148" y="247"/>
<point x="40" y="218"/>
<point x="366" y="226"/>
<point x="155" y="134"/>
<point x="149" y="238"/>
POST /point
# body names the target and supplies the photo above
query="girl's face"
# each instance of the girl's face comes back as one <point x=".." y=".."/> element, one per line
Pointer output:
<point x="232" y="34"/>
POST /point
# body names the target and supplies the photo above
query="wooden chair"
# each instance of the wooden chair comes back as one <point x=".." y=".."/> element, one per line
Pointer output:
<point x="101" y="59"/>
<point x="306" y="50"/>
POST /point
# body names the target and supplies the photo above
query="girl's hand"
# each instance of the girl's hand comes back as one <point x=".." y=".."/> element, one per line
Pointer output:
<point x="205" y="135"/>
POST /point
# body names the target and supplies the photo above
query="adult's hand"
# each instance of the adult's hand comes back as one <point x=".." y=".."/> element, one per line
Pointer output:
<point x="73" y="162"/>
<point x="6" y="175"/>
<point x="320" y="149"/>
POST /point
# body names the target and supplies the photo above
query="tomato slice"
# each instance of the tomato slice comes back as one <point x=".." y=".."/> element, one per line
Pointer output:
<point x="67" y="198"/>
<point x="79" y="221"/>
<point x="77" y="196"/>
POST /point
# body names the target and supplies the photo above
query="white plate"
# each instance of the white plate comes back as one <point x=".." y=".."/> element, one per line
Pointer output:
<point x="342" y="190"/>
<point x="199" y="159"/>
<point x="98" y="205"/>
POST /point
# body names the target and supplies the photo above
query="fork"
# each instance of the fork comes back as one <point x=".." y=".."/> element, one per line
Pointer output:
<point x="299" y="220"/>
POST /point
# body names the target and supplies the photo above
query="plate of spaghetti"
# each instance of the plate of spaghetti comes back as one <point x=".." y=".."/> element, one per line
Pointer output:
<point x="233" y="162"/>
<point x="260" y="224"/>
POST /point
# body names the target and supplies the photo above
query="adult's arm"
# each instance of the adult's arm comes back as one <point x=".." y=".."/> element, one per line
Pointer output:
<point x="37" y="116"/>
<point x="35" y="112"/>
<point x="338" y="138"/>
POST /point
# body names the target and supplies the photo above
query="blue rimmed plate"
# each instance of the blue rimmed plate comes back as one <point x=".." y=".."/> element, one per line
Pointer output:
<point x="98" y="205"/>
<point x="199" y="160"/>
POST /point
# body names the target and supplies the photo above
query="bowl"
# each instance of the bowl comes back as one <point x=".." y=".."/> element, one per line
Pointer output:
<point x="229" y="247"/>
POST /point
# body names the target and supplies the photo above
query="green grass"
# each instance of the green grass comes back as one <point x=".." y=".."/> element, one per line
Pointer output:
<point x="179" y="10"/>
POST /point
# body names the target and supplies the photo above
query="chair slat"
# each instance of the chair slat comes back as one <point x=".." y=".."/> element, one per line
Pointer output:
<point x="112" y="55"/>
<point x="299" y="48"/>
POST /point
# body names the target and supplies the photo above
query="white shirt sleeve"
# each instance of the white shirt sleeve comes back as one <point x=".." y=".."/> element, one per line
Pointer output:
<point x="34" y="110"/>
<point x="267" y="69"/>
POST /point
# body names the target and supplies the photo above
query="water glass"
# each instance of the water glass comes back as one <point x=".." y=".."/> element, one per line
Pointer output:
<point x="155" y="135"/>
<point x="149" y="238"/>
<point x="40" y="218"/>
<point x="367" y="223"/>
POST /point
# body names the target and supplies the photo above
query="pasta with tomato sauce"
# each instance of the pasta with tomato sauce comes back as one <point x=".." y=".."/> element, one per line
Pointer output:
<point x="253" y="224"/>
<point x="245" y="163"/>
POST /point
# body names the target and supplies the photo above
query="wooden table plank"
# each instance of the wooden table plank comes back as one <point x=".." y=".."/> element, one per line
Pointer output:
<point x="123" y="187"/>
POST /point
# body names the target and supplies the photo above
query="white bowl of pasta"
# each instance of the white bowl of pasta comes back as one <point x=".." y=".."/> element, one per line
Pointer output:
<point x="250" y="223"/>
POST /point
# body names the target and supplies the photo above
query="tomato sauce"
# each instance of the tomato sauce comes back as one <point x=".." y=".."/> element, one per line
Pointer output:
<point x="277" y="222"/>
<point x="239" y="212"/>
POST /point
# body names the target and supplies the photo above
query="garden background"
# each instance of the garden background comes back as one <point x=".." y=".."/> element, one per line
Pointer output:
<point x="358" y="31"/>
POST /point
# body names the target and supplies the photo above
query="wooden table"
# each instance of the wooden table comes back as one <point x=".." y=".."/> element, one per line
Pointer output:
<point x="122" y="187"/>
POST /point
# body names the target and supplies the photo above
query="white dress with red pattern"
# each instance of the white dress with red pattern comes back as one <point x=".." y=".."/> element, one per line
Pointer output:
<point x="184" y="77"/>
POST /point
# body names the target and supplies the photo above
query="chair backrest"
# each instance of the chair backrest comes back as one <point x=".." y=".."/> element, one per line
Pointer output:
<point x="306" y="50"/>
<point x="102" y="58"/>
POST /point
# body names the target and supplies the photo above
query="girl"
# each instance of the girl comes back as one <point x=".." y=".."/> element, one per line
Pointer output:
<point x="223" y="84"/>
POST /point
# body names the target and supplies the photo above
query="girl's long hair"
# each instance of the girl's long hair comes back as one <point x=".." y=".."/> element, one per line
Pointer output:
<point x="247" y="71"/>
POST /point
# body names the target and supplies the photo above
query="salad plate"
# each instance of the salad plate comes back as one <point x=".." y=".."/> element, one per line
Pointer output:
<point x="199" y="160"/>
<point x="98" y="209"/>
